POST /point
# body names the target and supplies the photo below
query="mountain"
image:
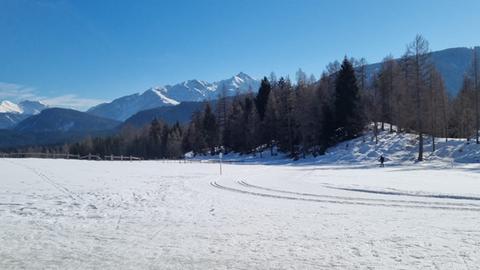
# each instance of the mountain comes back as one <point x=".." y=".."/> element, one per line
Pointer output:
<point x="122" y="108"/>
<point x="453" y="64"/>
<point x="64" y="121"/>
<point x="191" y="90"/>
<point x="9" y="107"/>
<point x="32" y="107"/>
<point x="12" y="113"/>
<point x="9" y="120"/>
<point x="56" y="126"/>
<point x="195" y="90"/>
<point x="181" y="113"/>
<point x="24" y="107"/>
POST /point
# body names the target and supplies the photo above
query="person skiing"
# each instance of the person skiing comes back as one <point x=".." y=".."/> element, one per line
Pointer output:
<point x="382" y="160"/>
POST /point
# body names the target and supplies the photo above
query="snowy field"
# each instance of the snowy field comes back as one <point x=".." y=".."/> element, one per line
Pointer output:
<point x="66" y="214"/>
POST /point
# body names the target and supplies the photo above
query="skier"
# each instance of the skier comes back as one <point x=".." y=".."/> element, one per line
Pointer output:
<point x="382" y="160"/>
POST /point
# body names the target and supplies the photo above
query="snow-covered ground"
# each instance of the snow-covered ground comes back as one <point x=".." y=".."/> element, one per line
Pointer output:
<point x="67" y="214"/>
<point x="397" y="148"/>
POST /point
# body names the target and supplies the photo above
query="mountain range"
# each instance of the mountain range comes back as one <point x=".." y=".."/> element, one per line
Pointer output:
<point x="192" y="90"/>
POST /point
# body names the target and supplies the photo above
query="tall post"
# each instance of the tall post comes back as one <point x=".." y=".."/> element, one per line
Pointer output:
<point x="221" y="156"/>
<point x="475" y="81"/>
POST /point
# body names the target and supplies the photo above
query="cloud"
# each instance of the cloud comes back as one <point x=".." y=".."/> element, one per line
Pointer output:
<point x="17" y="92"/>
<point x="71" y="101"/>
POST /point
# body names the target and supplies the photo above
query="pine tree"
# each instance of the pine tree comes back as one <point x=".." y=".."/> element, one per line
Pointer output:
<point x="348" y="115"/>
<point x="210" y="128"/>
<point x="270" y="123"/>
<point x="261" y="99"/>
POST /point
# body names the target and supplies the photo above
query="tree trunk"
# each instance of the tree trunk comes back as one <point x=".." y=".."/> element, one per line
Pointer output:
<point x="433" y="143"/>
<point x="420" y="147"/>
<point x="475" y="81"/>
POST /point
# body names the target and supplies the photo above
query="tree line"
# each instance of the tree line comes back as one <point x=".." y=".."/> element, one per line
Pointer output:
<point x="307" y="116"/>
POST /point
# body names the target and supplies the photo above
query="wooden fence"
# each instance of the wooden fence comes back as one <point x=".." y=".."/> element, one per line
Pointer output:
<point x="108" y="158"/>
<point x="68" y="156"/>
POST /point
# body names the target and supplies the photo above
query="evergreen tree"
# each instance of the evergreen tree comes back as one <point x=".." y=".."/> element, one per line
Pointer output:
<point x="210" y="128"/>
<point x="348" y="115"/>
<point x="261" y="99"/>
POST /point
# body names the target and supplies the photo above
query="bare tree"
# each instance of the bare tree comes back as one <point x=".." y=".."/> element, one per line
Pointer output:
<point x="436" y="100"/>
<point x="418" y="54"/>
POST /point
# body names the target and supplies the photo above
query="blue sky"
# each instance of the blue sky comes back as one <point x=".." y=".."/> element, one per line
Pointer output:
<point x="79" y="53"/>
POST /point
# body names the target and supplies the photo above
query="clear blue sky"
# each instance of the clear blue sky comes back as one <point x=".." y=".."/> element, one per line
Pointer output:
<point x="79" y="52"/>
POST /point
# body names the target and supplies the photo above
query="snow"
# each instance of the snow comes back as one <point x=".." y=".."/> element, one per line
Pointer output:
<point x="32" y="107"/>
<point x="164" y="98"/>
<point x="397" y="148"/>
<point x="9" y="107"/>
<point x="64" y="214"/>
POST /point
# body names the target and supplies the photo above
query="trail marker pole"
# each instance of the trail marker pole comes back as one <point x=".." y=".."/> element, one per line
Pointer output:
<point x="221" y="156"/>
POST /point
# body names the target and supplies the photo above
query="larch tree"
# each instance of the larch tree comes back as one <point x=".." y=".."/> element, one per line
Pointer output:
<point x="418" y="54"/>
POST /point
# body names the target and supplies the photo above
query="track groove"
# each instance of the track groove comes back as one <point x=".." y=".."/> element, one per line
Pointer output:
<point x="343" y="202"/>
<point x="243" y="183"/>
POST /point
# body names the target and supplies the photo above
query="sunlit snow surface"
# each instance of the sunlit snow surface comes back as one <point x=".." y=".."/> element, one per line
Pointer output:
<point x="66" y="214"/>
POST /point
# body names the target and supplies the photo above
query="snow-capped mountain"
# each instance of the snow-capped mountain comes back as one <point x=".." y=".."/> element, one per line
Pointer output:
<point x="195" y="90"/>
<point x="191" y="90"/>
<point x="124" y="107"/>
<point x="9" y="107"/>
<point x="32" y="107"/>
<point x="12" y="113"/>
<point x="24" y="107"/>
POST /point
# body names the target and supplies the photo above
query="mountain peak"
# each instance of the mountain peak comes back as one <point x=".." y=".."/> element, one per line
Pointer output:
<point x="10" y="107"/>
<point x="244" y="76"/>
<point x="25" y="107"/>
<point x="32" y="107"/>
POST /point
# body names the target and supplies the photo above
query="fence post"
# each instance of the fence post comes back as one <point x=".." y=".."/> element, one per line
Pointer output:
<point x="89" y="156"/>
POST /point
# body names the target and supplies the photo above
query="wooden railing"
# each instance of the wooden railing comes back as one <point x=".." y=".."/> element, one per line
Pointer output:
<point x="68" y="156"/>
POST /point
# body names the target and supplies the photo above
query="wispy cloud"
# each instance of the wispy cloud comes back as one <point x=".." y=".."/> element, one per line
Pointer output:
<point x="17" y="92"/>
<point x="71" y="101"/>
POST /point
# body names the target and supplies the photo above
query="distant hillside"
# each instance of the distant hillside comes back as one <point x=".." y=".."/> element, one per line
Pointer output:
<point x="181" y="113"/>
<point x="64" y="120"/>
<point x="9" y="120"/>
<point x="452" y="63"/>
<point x="56" y="126"/>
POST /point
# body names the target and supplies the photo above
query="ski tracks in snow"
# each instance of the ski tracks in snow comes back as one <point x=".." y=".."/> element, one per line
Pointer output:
<point x="244" y="187"/>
